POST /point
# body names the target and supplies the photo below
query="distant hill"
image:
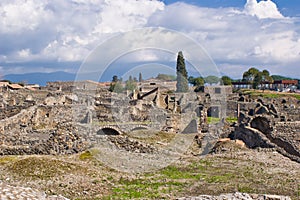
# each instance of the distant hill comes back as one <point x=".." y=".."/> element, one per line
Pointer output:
<point x="40" y="78"/>
<point x="279" y="77"/>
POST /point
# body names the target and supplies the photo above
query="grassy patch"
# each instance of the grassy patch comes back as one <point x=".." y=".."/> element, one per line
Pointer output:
<point x="211" y="176"/>
<point x="41" y="168"/>
<point x="245" y="189"/>
<point x="173" y="172"/>
<point x="231" y="119"/>
<point x="220" y="178"/>
<point x="89" y="154"/>
<point x="143" y="189"/>
<point x="213" y="120"/>
<point x="270" y="94"/>
<point x="7" y="159"/>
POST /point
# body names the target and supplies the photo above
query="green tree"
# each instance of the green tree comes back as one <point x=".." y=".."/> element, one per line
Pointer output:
<point x="116" y="85"/>
<point x="250" y="74"/>
<point x="130" y="85"/>
<point x="257" y="80"/>
<point x="266" y="76"/>
<point x="255" y="77"/>
<point x="166" y="77"/>
<point x="118" y="88"/>
<point x="212" y="80"/>
<point x="115" y="78"/>
<point x="182" y="75"/>
<point x="226" y="80"/>
<point x="198" y="83"/>
<point x="279" y="77"/>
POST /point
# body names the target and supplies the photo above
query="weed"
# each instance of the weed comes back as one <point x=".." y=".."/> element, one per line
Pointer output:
<point x="41" y="168"/>
<point x="227" y="177"/>
<point x="213" y="120"/>
<point x="245" y="189"/>
<point x="7" y="159"/>
<point x="89" y="154"/>
<point x="231" y="119"/>
<point x="173" y="172"/>
<point x="268" y="94"/>
<point x="139" y="188"/>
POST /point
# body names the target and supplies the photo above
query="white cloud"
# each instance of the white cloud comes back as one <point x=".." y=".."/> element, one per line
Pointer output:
<point x="24" y="53"/>
<point x="232" y="36"/>
<point x="58" y="31"/>
<point x="66" y="30"/>
<point x="124" y="15"/>
<point x="263" y="9"/>
<point x="19" y="16"/>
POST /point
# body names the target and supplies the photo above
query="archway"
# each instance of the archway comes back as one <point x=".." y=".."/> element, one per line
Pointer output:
<point x="108" y="131"/>
<point x="139" y="128"/>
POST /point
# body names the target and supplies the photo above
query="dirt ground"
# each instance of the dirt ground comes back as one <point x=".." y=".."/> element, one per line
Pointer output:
<point x="83" y="176"/>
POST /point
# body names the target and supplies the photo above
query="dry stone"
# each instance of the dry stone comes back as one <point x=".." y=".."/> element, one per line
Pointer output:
<point x="22" y="193"/>
<point x="237" y="196"/>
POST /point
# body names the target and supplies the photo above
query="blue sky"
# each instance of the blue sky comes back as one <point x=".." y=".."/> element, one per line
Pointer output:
<point x="60" y="35"/>
<point x="287" y="7"/>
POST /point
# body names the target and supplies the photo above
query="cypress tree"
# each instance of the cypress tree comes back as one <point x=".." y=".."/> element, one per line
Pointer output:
<point x="140" y="77"/>
<point x="182" y="75"/>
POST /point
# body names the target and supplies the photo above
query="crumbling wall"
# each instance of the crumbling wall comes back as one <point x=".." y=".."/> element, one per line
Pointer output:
<point x="260" y="126"/>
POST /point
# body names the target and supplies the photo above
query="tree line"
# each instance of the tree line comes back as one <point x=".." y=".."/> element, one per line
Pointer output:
<point x="116" y="84"/>
<point x="252" y="76"/>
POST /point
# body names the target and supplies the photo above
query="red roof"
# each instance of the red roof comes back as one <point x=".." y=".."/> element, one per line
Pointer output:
<point x="293" y="82"/>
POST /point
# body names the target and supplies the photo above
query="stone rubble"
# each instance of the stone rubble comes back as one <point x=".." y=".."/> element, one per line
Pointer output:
<point x="19" y="193"/>
<point x="237" y="196"/>
<point x="125" y="143"/>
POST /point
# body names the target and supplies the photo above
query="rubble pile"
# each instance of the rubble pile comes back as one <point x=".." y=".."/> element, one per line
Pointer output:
<point x="125" y="143"/>
<point x="267" y="126"/>
<point x="238" y="196"/>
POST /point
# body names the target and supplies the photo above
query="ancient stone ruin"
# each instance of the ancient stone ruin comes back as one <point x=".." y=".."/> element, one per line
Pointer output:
<point x="270" y="123"/>
<point x="65" y="119"/>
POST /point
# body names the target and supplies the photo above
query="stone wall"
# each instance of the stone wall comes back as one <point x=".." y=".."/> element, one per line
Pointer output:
<point x="263" y="123"/>
<point x="51" y="113"/>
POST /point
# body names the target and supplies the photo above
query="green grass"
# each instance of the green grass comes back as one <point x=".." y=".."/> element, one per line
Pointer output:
<point x="172" y="172"/>
<point x="158" y="185"/>
<point x="41" y="168"/>
<point x="7" y="159"/>
<point x="223" y="178"/>
<point x="211" y="175"/>
<point x="205" y="176"/>
<point x="231" y="119"/>
<point x="89" y="154"/>
<point x="268" y="94"/>
<point x="143" y="189"/>
<point x="245" y="188"/>
<point x="214" y="120"/>
<point x="172" y="180"/>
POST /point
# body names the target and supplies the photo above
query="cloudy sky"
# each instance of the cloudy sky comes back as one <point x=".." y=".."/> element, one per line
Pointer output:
<point x="58" y="35"/>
